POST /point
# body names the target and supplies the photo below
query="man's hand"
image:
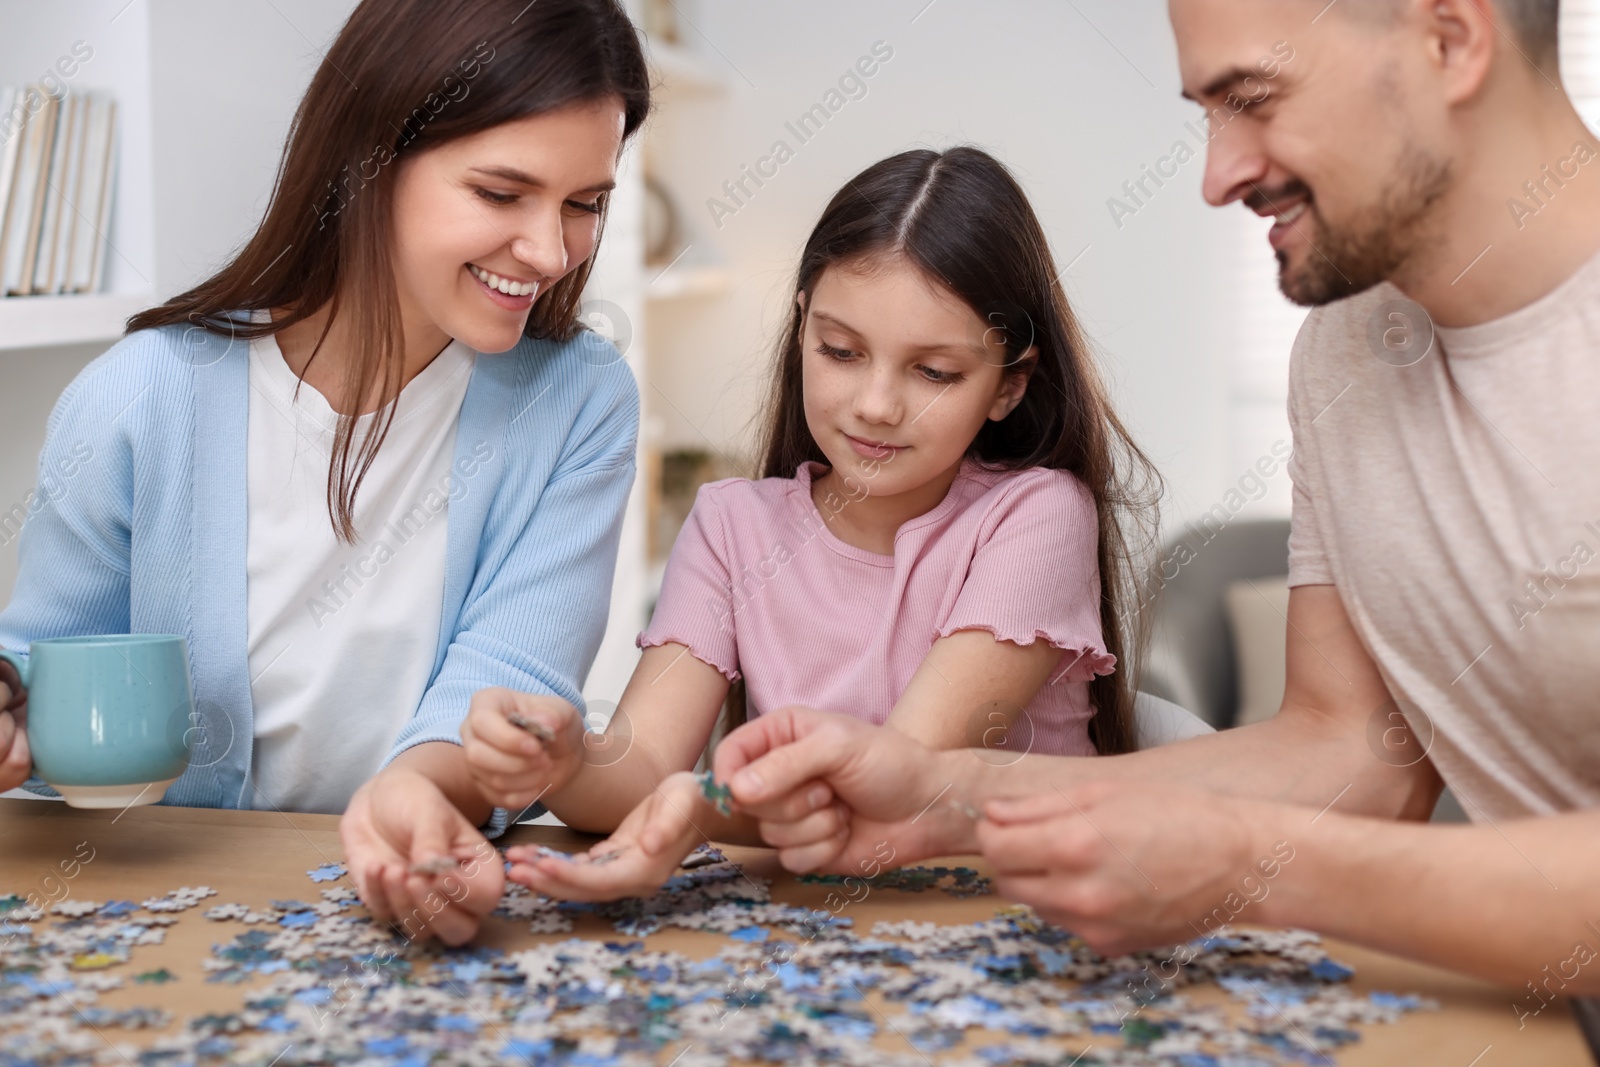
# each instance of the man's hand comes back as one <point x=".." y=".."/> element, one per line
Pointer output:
<point x="1128" y="865"/>
<point x="510" y="765"/>
<point x="400" y="818"/>
<point x="16" y="759"/>
<point x="777" y="764"/>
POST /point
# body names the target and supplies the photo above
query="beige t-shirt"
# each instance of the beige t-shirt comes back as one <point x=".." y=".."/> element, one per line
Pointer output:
<point x="1455" y="503"/>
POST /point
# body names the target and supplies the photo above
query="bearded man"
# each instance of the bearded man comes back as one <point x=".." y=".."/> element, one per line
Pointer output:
<point x="1434" y="203"/>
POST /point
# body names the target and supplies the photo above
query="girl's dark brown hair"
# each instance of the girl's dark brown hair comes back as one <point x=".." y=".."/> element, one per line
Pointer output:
<point x="962" y="219"/>
<point x="403" y="76"/>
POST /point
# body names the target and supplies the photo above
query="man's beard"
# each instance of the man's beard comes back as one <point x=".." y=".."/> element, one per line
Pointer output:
<point x="1344" y="262"/>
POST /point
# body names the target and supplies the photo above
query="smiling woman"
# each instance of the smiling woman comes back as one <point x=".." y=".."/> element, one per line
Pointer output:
<point x="517" y="165"/>
<point x="316" y="463"/>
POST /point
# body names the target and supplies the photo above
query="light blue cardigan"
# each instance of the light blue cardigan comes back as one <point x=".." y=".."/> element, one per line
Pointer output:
<point x="140" y="521"/>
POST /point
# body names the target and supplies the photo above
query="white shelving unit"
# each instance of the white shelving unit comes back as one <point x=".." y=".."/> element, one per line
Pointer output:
<point x="118" y="35"/>
<point x="679" y="69"/>
<point x="39" y="321"/>
<point x="692" y="94"/>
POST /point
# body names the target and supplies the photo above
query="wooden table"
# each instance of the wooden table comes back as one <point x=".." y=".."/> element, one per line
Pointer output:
<point x="254" y="857"/>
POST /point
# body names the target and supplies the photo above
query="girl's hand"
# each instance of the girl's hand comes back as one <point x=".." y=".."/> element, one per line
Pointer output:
<point x="16" y="760"/>
<point x="647" y="849"/>
<point x="399" y="823"/>
<point x="511" y="765"/>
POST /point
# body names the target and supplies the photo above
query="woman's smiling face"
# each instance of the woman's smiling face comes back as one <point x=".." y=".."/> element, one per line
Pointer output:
<point x="485" y="224"/>
<point x="899" y="375"/>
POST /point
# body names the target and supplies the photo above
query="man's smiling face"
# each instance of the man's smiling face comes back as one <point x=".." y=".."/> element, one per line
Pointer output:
<point x="1346" y="145"/>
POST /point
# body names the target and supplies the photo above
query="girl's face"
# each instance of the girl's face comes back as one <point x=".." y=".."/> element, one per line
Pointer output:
<point x="899" y="375"/>
<point x="514" y="207"/>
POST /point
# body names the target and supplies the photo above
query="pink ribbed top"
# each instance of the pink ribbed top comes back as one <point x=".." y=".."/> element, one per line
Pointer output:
<point x="758" y="585"/>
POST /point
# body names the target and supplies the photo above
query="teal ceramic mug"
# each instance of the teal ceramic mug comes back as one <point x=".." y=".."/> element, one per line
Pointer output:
<point x="108" y="716"/>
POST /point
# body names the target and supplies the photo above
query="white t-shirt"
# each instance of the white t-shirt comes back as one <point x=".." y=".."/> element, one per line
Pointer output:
<point x="342" y="637"/>
<point x="1452" y="495"/>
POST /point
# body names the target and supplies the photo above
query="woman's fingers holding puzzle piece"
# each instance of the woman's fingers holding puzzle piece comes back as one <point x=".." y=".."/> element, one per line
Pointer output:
<point x="416" y="861"/>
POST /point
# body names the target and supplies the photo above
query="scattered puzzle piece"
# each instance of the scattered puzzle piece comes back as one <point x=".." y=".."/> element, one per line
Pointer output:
<point x="960" y="882"/>
<point x="327" y="872"/>
<point x="94" y="961"/>
<point x="704" y="855"/>
<point x="532" y="726"/>
<point x="719" y="796"/>
<point x="436" y="865"/>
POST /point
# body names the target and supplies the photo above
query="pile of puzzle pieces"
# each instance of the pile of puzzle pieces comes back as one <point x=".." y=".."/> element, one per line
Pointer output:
<point x="326" y="984"/>
<point x="956" y="881"/>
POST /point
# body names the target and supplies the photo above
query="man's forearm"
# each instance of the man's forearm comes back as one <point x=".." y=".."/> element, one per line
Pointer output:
<point x="1517" y="902"/>
<point x="1295" y="758"/>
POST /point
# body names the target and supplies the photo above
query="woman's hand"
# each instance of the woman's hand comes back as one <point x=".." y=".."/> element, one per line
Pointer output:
<point x="16" y="760"/>
<point x="644" y="851"/>
<point x="401" y="819"/>
<point x="511" y="765"/>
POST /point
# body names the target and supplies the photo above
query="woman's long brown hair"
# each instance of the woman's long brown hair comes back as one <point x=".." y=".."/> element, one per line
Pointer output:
<point x="402" y="76"/>
<point x="963" y="220"/>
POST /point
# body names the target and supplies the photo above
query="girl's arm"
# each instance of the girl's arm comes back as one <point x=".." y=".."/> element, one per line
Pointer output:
<point x="1027" y="615"/>
<point x="591" y="781"/>
<point x="971" y="688"/>
<point x="632" y="782"/>
<point x="595" y="781"/>
<point x="966" y="694"/>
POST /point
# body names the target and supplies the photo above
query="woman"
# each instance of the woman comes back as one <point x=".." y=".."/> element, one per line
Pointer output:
<point x="372" y="465"/>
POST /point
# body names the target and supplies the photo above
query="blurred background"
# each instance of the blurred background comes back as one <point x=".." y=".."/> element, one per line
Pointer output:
<point x="1079" y="97"/>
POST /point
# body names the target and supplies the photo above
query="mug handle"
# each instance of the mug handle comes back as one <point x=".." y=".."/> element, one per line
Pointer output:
<point x="20" y="662"/>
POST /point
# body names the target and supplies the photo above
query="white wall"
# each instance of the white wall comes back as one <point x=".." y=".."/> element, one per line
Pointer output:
<point x="226" y="79"/>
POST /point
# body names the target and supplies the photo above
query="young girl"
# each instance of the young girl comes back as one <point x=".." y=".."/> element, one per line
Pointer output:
<point x="935" y="543"/>
<point x="368" y="466"/>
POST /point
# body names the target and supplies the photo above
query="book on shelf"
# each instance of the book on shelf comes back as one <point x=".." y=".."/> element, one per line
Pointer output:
<point x="57" y="172"/>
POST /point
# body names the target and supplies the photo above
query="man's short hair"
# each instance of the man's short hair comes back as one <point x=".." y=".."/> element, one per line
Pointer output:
<point x="1532" y="23"/>
<point x="1535" y="24"/>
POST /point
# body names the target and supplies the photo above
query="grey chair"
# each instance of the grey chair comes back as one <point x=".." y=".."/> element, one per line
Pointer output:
<point x="1192" y="661"/>
<point x="1161" y="722"/>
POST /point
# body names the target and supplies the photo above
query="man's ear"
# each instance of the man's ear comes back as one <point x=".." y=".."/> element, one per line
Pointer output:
<point x="1463" y="37"/>
<point x="1018" y="373"/>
